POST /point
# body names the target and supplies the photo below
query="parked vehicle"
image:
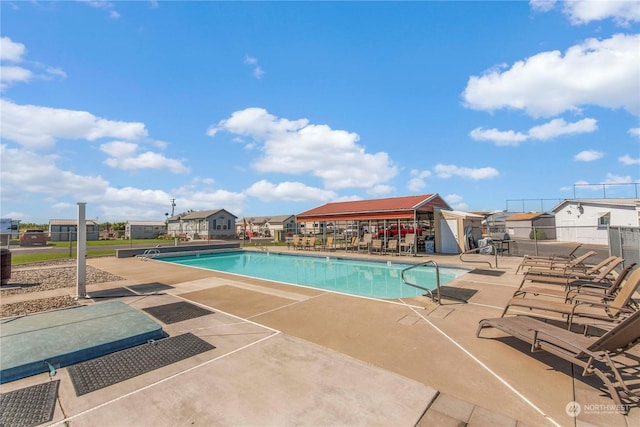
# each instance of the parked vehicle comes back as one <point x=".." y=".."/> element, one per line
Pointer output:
<point x="392" y="230"/>
<point x="33" y="237"/>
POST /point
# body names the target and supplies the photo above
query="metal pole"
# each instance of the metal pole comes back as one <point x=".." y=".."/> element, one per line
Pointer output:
<point x="81" y="262"/>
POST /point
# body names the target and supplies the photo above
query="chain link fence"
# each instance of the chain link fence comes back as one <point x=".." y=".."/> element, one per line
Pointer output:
<point x="606" y="241"/>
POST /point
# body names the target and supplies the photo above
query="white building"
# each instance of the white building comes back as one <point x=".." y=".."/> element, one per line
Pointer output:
<point x="587" y="220"/>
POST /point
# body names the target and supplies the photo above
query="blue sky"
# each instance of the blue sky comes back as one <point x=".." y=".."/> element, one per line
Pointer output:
<point x="265" y="108"/>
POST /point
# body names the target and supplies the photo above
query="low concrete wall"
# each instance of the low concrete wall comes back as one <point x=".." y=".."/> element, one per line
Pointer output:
<point x="127" y="253"/>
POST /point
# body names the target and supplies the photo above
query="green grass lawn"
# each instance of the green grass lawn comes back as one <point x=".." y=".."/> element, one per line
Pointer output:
<point x="17" y="259"/>
<point x="95" y="248"/>
<point x="98" y="248"/>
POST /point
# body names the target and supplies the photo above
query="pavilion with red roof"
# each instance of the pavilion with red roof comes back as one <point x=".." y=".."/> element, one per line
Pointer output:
<point x="413" y="212"/>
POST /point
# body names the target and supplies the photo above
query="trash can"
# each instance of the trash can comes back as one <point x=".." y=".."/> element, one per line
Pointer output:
<point x="429" y="247"/>
<point x="5" y="265"/>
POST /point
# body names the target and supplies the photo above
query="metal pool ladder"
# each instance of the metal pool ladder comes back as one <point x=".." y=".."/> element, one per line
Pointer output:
<point x="434" y="298"/>
<point x="149" y="253"/>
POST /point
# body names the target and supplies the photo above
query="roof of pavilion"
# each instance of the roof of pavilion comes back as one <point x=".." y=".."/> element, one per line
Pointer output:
<point x="407" y="207"/>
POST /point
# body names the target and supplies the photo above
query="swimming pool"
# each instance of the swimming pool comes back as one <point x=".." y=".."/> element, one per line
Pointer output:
<point x="355" y="277"/>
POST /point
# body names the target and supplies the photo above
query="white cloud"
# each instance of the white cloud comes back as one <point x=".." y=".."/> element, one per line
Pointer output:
<point x="199" y="199"/>
<point x="501" y="138"/>
<point x="54" y="72"/>
<point x="380" y="190"/>
<point x="596" y="72"/>
<point x="124" y="156"/>
<point x="456" y="202"/>
<point x="148" y="160"/>
<point x="20" y="180"/>
<point x="581" y="12"/>
<point x="258" y="72"/>
<point x="634" y="132"/>
<point x="39" y="127"/>
<point x="447" y="171"/>
<point x="623" y="12"/>
<point x="105" y="5"/>
<point x="588" y="156"/>
<point x="250" y="60"/>
<point x="617" y="179"/>
<point x="627" y="160"/>
<point x="10" y="50"/>
<point x="558" y="127"/>
<point x="582" y="184"/>
<point x="119" y="148"/>
<point x="542" y="5"/>
<point x="13" y="74"/>
<point x="550" y="130"/>
<point x="297" y="147"/>
<point x="417" y="181"/>
<point x="289" y="191"/>
<point x="257" y="123"/>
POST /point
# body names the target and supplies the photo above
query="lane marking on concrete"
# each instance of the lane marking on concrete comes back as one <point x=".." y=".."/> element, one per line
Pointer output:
<point x="178" y="374"/>
<point x="488" y="369"/>
<point x="124" y="396"/>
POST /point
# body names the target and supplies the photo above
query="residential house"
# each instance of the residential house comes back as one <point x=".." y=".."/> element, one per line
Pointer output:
<point x="495" y="221"/>
<point x="211" y="224"/>
<point x="275" y="226"/>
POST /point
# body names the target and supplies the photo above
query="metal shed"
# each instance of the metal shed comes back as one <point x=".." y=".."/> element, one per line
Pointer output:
<point x="63" y="230"/>
<point x="144" y="229"/>
<point x="456" y="231"/>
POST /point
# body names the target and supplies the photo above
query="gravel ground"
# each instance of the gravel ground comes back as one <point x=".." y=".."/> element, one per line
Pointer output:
<point x="38" y="277"/>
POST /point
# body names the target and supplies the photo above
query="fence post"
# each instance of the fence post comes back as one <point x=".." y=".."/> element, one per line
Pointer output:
<point x="535" y="240"/>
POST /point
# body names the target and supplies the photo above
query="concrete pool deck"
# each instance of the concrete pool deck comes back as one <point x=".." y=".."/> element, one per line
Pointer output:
<point x="289" y="355"/>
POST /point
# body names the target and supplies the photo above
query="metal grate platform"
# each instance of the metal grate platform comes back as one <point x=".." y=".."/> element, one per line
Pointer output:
<point x="120" y="366"/>
<point x="460" y="294"/>
<point x="176" y="312"/>
<point x="29" y="406"/>
<point x="485" y="272"/>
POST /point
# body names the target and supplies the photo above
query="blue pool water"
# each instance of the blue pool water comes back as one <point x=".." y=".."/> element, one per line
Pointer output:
<point x="363" y="278"/>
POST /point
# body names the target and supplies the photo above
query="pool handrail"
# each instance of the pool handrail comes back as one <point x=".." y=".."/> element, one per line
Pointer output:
<point x="429" y="291"/>
<point x="495" y="252"/>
